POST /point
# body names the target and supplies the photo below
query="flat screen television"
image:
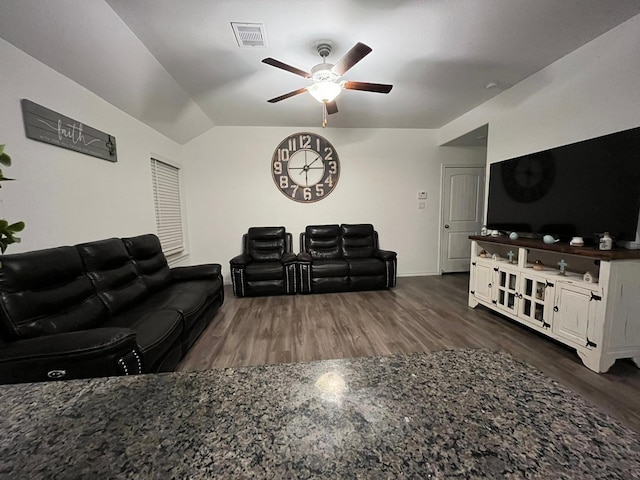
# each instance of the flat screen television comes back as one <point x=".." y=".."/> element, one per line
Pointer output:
<point x="582" y="189"/>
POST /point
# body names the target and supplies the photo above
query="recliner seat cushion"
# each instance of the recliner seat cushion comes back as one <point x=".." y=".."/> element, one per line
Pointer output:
<point x="366" y="266"/>
<point x="263" y="271"/>
<point x="190" y="299"/>
<point x="188" y="304"/>
<point x="329" y="268"/>
<point x="47" y="292"/>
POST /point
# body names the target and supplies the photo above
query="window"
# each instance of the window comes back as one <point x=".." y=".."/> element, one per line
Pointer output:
<point x="166" y="197"/>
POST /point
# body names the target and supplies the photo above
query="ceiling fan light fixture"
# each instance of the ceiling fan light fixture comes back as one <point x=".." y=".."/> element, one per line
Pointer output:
<point x="325" y="91"/>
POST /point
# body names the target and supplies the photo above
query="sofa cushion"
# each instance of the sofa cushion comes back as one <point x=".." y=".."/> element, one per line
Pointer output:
<point x="266" y="244"/>
<point x="151" y="264"/>
<point x="113" y="274"/>
<point x="323" y="241"/>
<point x="358" y="241"/>
<point x="190" y="299"/>
<point x="46" y="292"/>
<point x="157" y="332"/>
<point x="366" y="266"/>
<point x="329" y="268"/>
<point x="264" y="271"/>
<point x="330" y="284"/>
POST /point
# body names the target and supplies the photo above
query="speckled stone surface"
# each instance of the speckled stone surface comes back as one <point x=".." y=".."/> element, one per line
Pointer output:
<point x="449" y="414"/>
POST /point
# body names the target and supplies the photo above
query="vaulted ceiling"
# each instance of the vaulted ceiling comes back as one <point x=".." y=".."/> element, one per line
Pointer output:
<point x="176" y="65"/>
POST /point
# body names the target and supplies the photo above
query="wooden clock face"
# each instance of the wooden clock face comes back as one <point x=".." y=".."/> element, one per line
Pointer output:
<point x="305" y="167"/>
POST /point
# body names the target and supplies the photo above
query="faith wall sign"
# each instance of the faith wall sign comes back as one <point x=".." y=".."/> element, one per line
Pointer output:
<point x="48" y="126"/>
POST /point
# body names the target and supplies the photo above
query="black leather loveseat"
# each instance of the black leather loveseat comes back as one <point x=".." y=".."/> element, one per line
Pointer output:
<point x="109" y="307"/>
<point x="338" y="258"/>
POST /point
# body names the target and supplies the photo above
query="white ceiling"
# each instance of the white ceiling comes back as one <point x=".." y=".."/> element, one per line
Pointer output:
<point x="175" y="64"/>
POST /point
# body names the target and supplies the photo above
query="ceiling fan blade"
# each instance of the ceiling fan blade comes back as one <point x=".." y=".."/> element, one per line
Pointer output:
<point x="278" y="64"/>
<point x="287" y="95"/>
<point x="349" y="59"/>
<point x="368" y="87"/>
<point x="332" y="107"/>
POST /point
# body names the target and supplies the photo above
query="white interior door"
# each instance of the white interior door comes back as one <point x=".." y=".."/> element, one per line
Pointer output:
<point x="462" y="206"/>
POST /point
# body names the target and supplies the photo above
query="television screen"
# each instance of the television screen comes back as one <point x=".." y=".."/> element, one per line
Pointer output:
<point x="581" y="189"/>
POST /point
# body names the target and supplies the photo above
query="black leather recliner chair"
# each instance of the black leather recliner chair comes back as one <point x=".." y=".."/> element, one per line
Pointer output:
<point x="340" y="258"/>
<point x="267" y="265"/>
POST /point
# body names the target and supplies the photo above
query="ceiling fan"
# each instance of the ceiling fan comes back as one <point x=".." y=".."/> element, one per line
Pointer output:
<point x="325" y="76"/>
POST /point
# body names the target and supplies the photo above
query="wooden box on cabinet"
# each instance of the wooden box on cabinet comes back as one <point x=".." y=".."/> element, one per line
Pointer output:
<point x="598" y="316"/>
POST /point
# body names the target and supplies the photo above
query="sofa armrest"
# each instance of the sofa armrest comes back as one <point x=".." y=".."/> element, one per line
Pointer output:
<point x="241" y="260"/>
<point x="385" y="254"/>
<point x="197" y="272"/>
<point x="288" y="258"/>
<point x="87" y="353"/>
<point x="304" y="257"/>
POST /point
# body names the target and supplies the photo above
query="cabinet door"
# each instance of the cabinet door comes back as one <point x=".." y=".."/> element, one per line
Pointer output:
<point x="481" y="281"/>
<point x="574" y="312"/>
<point x="507" y="290"/>
<point x="536" y="300"/>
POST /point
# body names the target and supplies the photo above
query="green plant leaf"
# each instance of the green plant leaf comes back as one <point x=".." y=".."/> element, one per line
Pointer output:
<point x="7" y="232"/>
<point x="5" y="159"/>
<point x="16" y="227"/>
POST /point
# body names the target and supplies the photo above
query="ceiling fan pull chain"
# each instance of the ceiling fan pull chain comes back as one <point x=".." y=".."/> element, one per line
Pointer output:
<point x="324" y="114"/>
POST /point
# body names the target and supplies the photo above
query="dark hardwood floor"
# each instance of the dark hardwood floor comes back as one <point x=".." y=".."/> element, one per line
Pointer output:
<point x="421" y="314"/>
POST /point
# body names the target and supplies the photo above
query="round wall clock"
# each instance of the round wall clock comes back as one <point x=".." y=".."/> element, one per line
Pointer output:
<point x="305" y="167"/>
<point x="529" y="178"/>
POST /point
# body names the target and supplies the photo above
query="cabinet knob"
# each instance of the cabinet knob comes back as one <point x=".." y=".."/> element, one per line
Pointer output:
<point x="555" y="309"/>
<point x="446" y="225"/>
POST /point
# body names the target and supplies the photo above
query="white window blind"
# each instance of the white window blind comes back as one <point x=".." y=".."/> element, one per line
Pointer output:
<point x="166" y="197"/>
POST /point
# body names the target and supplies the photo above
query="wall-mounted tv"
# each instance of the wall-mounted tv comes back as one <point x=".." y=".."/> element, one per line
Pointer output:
<point x="581" y="189"/>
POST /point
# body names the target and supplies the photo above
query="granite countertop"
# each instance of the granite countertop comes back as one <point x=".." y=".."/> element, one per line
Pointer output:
<point x="449" y="414"/>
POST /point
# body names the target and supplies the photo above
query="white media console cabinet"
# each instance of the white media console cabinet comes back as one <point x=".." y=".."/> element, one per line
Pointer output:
<point x="598" y="314"/>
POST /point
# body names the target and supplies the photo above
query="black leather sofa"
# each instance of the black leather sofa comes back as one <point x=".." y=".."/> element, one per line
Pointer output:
<point x="109" y="307"/>
<point x="338" y="258"/>
<point x="266" y="265"/>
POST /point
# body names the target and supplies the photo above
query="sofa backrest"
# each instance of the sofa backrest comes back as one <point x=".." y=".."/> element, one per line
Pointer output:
<point x="323" y="241"/>
<point x="45" y="292"/>
<point x="112" y="273"/>
<point x="267" y="244"/>
<point x="358" y="241"/>
<point x="147" y="256"/>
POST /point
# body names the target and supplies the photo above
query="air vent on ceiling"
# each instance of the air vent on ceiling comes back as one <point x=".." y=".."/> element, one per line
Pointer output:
<point x="249" y="34"/>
